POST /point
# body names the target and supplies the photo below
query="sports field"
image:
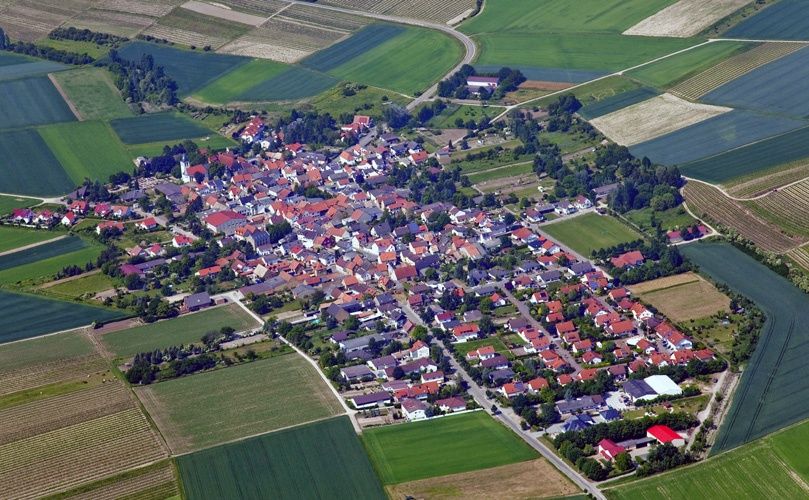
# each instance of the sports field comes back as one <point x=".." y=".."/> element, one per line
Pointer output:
<point x="192" y="70"/>
<point x="713" y="137"/>
<point x="29" y="167"/>
<point x="214" y="407"/>
<point x="447" y="445"/>
<point x="92" y="93"/>
<point x="589" y="232"/>
<point x="31" y="101"/>
<point x="30" y="316"/>
<point x="234" y="83"/>
<point x="671" y="70"/>
<point x="13" y="237"/>
<point x="47" y="259"/>
<point x="273" y="466"/>
<point x="786" y="20"/>
<point x="770" y="396"/>
<point x="87" y="150"/>
<point x="157" y="127"/>
<point x="773" y="467"/>
<point x="183" y="330"/>
<point x="682" y="297"/>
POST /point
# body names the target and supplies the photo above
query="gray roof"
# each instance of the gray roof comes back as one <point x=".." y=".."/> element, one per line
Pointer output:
<point x="374" y="397"/>
<point x="638" y="388"/>
<point x="197" y="300"/>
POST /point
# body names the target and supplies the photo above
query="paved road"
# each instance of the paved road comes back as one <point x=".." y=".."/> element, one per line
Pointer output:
<point x="468" y="44"/>
<point x="509" y="418"/>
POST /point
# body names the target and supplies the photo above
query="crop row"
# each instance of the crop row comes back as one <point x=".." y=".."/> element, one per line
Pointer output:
<point x="707" y="200"/>
<point x="154" y="482"/>
<point x="152" y="9"/>
<point x="324" y="18"/>
<point x="48" y="373"/>
<point x="266" y="7"/>
<point x="788" y="207"/>
<point x="432" y="10"/>
<point x="801" y="256"/>
<point x="288" y="33"/>
<point x="730" y="69"/>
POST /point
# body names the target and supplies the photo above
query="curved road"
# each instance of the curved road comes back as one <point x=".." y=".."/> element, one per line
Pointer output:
<point x="468" y="44"/>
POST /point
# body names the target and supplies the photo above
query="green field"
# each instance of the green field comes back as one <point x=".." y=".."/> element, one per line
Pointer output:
<point x="158" y="127"/>
<point x="212" y="142"/>
<point x="367" y="101"/>
<point x="93" y="94"/>
<point x="448" y="117"/>
<point x="672" y="70"/>
<point x="28" y="68"/>
<point x="93" y="283"/>
<point x="9" y="203"/>
<point x="319" y="460"/>
<point x="214" y="407"/>
<point x="589" y="232"/>
<point x="773" y="467"/>
<point x="499" y="173"/>
<point x="45" y="260"/>
<point x="80" y="47"/>
<point x="42" y="350"/>
<point x="29" y="167"/>
<point x="233" y="84"/>
<point x="448" y="445"/>
<point x="673" y="218"/>
<point x="31" y="101"/>
<point x="572" y="35"/>
<point x="29" y="316"/>
<point x="12" y="237"/>
<point x="87" y="150"/>
<point x="295" y="83"/>
<point x="769" y="396"/>
<point x="173" y="332"/>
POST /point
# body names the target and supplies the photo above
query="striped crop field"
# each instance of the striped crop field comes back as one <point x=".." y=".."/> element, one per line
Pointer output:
<point x="730" y="69"/>
<point x="709" y="202"/>
<point x="787" y="208"/>
<point x="800" y="256"/>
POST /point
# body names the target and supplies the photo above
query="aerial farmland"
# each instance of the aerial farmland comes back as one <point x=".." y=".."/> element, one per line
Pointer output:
<point x="403" y="249"/>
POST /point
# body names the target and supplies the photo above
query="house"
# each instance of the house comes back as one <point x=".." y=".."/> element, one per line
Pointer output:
<point x="537" y="384"/>
<point x="482" y="353"/>
<point x="147" y="224"/>
<point x="181" y="241"/>
<point x="584" y="403"/>
<point x="253" y="131"/>
<point x="665" y="434"/>
<point x="512" y="389"/>
<point x="414" y="409"/>
<point x="451" y="404"/>
<point x="197" y="301"/>
<point x="225" y="221"/>
<point x="109" y="226"/>
<point x="372" y="400"/>
<point x="638" y="390"/>
<point x="628" y="260"/>
<point x="577" y="423"/>
<point x="476" y="83"/>
<point x="609" y="450"/>
<point x="69" y="219"/>
<point x="356" y="373"/>
<point x="465" y="333"/>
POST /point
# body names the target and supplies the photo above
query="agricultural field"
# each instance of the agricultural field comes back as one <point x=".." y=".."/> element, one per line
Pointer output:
<point x="270" y="466"/>
<point x="765" y="181"/>
<point x="334" y="102"/>
<point x="157" y="127"/>
<point x="653" y="118"/>
<point x="184" y="330"/>
<point x="46" y="260"/>
<point x="31" y="20"/>
<point x="501" y="172"/>
<point x="212" y="142"/>
<point x="787" y="208"/>
<point x="9" y="203"/>
<point x="191" y="69"/>
<point x="92" y="93"/>
<point x="765" y="87"/>
<point x="616" y="102"/>
<point x="80" y="47"/>
<point x="155" y="481"/>
<point x="717" y="136"/>
<point x="769" y="396"/>
<point x="294" y="83"/>
<point x="683" y="297"/>
<point x="732" y="68"/>
<point x="772" y="467"/>
<point x="589" y="232"/>
<point x="190" y="28"/>
<point x="31" y="101"/>
<point x="119" y="22"/>
<point x="671" y="70"/>
<point x="88" y="284"/>
<point x="449" y="118"/>
<point x="14" y="237"/>
<point x="361" y="42"/>
<point x="532" y="479"/>
<point x="87" y="150"/>
<point x="685" y="18"/>
<point x="449" y="11"/>
<point x="29" y="67"/>
<point x="449" y="445"/>
<point x="208" y="408"/>
<point x="673" y="218"/>
<point x="230" y="86"/>
<point x="599" y="90"/>
<point x="706" y="201"/>
<point x="224" y="13"/>
<point x="785" y="20"/>
<point x="284" y="40"/>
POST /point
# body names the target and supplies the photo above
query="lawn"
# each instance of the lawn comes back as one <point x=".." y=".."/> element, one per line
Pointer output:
<point x="213" y="407"/>
<point x="184" y="330"/>
<point x="29" y="316"/>
<point x="9" y="203"/>
<point x="12" y="237"/>
<point x="44" y="261"/>
<point x="569" y="142"/>
<point x="669" y="71"/>
<point x="769" y="396"/>
<point x="589" y="232"/>
<point x="673" y="218"/>
<point x="270" y="466"/>
<point x="499" y="346"/>
<point x="87" y="150"/>
<point x="239" y="80"/>
<point x="31" y="101"/>
<point x="30" y="168"/>
<point x="683" y="298"/>
<point x="449" y="117"/>
<point x="497" y="173"/>
<point x="93" y="94"/>
<point x="158" y="127"/>
<point x="597" y="91"/>
<point x="448" y="445"/>
<point x="91" y="284"/>
<point x="773" y="467"/>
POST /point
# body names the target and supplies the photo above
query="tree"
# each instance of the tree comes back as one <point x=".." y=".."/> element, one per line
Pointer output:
<point x="351" y="323"/>
<point x="623" y="461"/>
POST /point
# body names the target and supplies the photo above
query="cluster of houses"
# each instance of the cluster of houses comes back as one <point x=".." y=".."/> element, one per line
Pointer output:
<point x="539" y="212"/>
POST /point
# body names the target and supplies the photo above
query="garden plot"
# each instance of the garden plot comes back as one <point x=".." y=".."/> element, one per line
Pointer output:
<point x="227" y="14"/>
<point x="685" y="18"/>
<point x="733" y="68"/>
<point x="655" y="117"/>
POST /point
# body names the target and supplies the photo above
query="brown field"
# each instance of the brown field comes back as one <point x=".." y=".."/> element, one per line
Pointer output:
<point x="190" y="28"/>
<point x="152" y="8"/>
<point x="258" y="7"/>
<point x="322" y="18"/>
<point x="732" y="68"/>
<point x="763" y="182"/>
<point x="800" y="256"/>
<point x="430" y="10"/>
<point x="683" y="297"/>
<point x="227" y="14"/>
<point x="705" y="200"/>
<point x="540" y="85"/>
<point x="685" y="18"/>
<point x="283" y="40"/>
<point x="787" y="208"/>
<point x="652" y="118"/>
<point x="29" y="20"/>
<point x="111" y="21"/>
<point x="533" y="479"/>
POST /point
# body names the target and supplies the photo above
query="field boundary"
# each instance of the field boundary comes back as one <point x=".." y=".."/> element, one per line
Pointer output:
<point x="32" y="245"/>
<point x="73" y="108"/>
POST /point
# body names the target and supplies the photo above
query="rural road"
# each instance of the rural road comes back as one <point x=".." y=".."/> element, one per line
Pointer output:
<point x="32" y="245"/>
<point x="469" y="45"/>
<point x="505" y="416"/>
